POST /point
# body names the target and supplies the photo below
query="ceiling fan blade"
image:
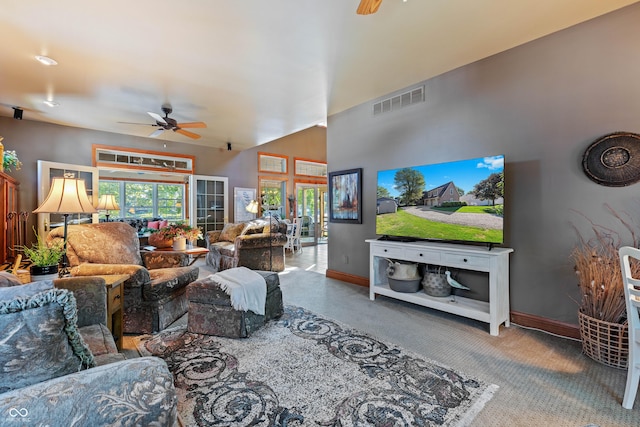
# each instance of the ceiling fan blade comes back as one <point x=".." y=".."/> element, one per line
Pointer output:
<point x="367" y="7"/>
<point x="143" y="124"/>
<point x="156" y="133"/>
<point x="187" y="133"/>
<point x="157" y="117"/>
<point x="192" y="125"/>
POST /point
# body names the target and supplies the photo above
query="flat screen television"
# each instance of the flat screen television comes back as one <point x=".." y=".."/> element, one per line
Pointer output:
<point x="460" y="201"/>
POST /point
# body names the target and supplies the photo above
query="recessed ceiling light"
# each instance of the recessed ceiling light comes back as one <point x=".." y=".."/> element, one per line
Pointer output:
<point x="46" y="60"/>
<point x="51" y="103"/>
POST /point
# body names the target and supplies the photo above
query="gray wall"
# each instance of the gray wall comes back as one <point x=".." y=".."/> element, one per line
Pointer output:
<point x="541" y="105"/>
<point x="35" y="141"/>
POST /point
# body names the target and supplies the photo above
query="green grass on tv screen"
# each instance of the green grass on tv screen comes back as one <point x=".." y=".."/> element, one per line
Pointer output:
<point x="407" y="225"/>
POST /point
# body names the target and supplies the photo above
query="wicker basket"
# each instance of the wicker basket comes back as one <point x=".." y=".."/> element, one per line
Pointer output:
<point x="24" y="276"/>
<point x="605" y="342"/>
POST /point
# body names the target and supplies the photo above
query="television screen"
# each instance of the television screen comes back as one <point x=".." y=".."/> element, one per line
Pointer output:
<point x="461" y="201"/>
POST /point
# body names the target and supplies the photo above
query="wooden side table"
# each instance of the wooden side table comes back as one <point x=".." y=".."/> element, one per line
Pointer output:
<point x="115" y="305"/>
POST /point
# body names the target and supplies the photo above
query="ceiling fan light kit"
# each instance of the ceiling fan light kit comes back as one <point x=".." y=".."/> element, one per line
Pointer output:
<point x="45" y="60"/>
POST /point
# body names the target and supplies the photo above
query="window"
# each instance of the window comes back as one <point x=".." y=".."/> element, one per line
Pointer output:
<point x="273" y="163"/>
<point x="145" y="200"/>
<point x="273" y="194"/>
<point x="169" y="201"/>
<point x="310" y="168"/>
<point x="129" y="158"/>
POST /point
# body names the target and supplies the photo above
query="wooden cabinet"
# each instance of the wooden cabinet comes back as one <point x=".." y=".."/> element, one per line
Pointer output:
<point x="13" y="223"/>
<point x="475" y="258"/>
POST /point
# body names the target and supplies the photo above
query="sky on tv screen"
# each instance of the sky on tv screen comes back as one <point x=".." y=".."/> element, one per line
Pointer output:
<point x="464" y="173"/>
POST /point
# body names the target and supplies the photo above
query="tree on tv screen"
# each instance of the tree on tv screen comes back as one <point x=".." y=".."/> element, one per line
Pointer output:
<point x="410" y="184"/>
<point x="491" y="188"/>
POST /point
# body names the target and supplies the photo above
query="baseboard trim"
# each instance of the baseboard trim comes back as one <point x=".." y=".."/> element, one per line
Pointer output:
<point x="523" y="319"/>
<point x="346" y="277"/>
<point x="548" y="325"/>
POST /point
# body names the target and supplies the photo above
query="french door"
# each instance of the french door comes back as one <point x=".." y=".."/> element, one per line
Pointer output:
<point x="209" y="202"/>
<point x="312" y="209"/>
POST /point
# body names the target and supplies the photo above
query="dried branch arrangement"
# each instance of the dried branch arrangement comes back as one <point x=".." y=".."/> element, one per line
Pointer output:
<point x="597" y="266"/>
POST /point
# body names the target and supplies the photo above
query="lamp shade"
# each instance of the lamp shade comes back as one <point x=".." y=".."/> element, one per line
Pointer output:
<point x="252" y="207"/>
<point x="67" y="196"/>
<point x="107" y="202"/>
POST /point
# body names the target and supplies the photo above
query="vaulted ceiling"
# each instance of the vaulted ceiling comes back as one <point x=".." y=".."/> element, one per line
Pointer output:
<point x="252" y="70"/>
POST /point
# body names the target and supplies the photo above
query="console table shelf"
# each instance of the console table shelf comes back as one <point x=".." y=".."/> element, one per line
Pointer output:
<point x="494" y="261"/>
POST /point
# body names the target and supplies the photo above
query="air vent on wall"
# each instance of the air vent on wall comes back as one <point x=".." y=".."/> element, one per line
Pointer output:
<point x="399" y="101"/>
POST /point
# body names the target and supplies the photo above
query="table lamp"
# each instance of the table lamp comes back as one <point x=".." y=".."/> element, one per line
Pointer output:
<point x="66" y="196"/>
<point x="252" y="207"/>
<point x="107" y="202"/>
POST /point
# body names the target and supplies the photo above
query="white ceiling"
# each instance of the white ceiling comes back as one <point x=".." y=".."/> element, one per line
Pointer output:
<point x="253" y="70"/>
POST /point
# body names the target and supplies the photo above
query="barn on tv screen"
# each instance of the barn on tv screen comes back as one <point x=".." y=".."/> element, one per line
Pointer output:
<point x="461" y="201"/>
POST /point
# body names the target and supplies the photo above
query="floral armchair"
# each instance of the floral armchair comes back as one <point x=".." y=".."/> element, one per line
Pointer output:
<point x="154" y="294"/>
<point x="248" y="244"/>
<point x="60" y="366"/>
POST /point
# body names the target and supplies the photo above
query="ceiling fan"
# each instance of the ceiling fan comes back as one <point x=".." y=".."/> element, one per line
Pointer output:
<point x="167" y="123"/>
<point x="367" y="7"/>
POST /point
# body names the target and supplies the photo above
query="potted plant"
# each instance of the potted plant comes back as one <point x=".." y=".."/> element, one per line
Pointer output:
<point x="44" y="258"/>
<point x="10" y="161"/>
<point x="174" y="235"/>
<point x="602" y="312"/>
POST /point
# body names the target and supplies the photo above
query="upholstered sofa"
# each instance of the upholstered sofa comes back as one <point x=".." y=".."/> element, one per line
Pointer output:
<point x="154" y="294"/>
<point x="248" y="244"/>
<point x="60" y="365"/>
<point x="140" y="224"/>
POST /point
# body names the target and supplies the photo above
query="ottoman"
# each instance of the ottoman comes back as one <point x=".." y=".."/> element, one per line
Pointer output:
<point x="211" y="313"/>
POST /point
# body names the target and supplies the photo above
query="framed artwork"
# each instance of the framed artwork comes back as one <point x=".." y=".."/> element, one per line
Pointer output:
<point x="345" y="196"/>
<point x="241" y="199"/>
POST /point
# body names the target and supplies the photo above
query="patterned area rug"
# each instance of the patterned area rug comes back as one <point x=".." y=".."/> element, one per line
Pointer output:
<point x="307" y="370"/>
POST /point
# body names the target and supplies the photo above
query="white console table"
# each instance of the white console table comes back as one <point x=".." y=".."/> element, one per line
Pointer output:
<point x="476" y="258"/>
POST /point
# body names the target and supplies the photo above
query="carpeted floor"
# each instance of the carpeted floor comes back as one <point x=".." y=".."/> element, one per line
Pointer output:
<point x="308" y="370"/>
<point x="543" y="380"/>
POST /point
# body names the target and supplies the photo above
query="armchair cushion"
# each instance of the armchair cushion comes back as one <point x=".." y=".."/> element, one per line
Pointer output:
<point x="94" y="337"/>
<point x="138" y="275"/>
<point x="165" y="281"/>
<point x="86" y="243"/>
<point x="231" y="231"/>
<point x="40" y="336"/>
<point x="164" y="259"/>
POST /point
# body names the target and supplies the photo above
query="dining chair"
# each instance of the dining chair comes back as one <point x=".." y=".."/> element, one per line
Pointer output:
<point x="289" y="234"/>
<point x="632" y="298"/>
<point x="293" y="238"/>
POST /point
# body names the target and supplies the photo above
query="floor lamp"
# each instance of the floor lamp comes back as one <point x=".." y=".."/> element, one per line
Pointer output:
<point x="66" y="196"/>
<point x="252" y="207"/>
<point x="107" y="202"/>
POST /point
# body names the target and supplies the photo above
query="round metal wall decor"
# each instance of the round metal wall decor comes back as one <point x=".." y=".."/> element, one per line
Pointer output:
<point x="613" y="160"/>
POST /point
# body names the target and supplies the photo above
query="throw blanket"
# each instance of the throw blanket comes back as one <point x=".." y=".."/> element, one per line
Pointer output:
<point x="247" y="289"/>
